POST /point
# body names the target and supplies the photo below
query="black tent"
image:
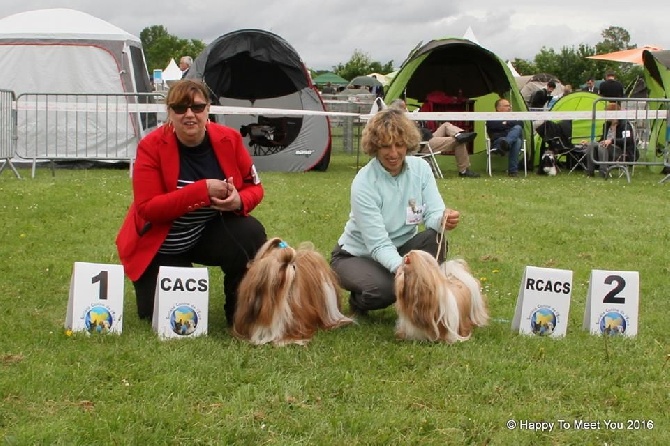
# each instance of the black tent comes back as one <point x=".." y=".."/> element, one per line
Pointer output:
<point x="256" y="68"/>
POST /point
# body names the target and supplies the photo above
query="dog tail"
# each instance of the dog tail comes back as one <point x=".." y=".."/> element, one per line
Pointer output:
<point x="458" y="269"/>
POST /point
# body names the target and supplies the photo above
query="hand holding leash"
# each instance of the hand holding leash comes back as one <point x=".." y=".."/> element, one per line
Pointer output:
<point x="450" y="220"/>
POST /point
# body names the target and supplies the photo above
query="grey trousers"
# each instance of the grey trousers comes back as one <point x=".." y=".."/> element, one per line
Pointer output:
<point x="370" y="283"/>
<point x="601" y="154"/>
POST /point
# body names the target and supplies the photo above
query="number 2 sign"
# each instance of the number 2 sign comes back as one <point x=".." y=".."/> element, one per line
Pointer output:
<point x="612" y="303"/>
<point x="95" y="304"/>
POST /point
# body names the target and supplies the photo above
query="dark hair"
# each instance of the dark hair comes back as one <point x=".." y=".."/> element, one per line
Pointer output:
<point x="183" y="91"/>
<point x="551" y="84"/>
<point x="610" y="73"/>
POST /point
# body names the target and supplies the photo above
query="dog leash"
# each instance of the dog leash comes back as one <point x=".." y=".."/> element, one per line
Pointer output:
<point x="441" y="239"/>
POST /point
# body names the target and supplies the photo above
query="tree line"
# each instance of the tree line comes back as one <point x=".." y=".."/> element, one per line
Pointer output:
<point x="569" y="64"/>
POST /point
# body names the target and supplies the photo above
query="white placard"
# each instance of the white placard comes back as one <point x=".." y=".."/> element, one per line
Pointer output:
<point x="543" y="303"/>
<point x="612" y="303"/>
<point x="181" y="302"/>
<point x="95" y="304"/>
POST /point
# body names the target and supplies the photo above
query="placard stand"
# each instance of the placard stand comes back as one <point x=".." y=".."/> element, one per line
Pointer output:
<point x="543" y="302"/>
<point x="612" y="303"/>
<point x="181" y="302"/>
<point x="95" y="303"/>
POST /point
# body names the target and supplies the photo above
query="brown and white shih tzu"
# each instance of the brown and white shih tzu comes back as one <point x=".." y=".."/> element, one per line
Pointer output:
<point x="286" y="295"/>
<point x="437" y="302"/>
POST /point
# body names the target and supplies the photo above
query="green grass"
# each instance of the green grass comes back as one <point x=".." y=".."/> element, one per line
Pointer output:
<point x="356" y="385"/>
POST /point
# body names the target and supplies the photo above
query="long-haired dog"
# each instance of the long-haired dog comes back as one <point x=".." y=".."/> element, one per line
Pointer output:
<point x="286" y="295"/>
<point x="437" y="302"/>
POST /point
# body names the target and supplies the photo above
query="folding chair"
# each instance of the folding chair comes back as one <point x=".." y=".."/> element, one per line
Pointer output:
<point x="489" y="154"/>
<point x="426" y="152"/>
<point x="558" y="138"/>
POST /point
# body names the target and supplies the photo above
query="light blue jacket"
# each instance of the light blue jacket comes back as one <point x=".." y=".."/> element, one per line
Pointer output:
<point x="381" y="205"/>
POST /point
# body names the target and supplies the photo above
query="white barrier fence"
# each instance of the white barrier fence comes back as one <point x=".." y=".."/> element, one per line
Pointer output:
<point x="7" y="130"/>
<point x="98" y="127"/>
<point x="107" y="127"/>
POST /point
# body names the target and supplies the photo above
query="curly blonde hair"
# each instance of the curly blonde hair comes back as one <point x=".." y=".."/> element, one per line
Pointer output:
<point x="387" y="127"/>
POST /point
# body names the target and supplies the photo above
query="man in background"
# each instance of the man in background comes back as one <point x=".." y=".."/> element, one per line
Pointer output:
<point x="611" y="87"/>
<point x="447" y="139"/>
<point x="590" y="86"/>
<point x="506" y="136"/>
<point x="185" y="64"/>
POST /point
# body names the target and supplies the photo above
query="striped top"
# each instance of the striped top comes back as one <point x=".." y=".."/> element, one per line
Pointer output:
<point x="195" y="163"/>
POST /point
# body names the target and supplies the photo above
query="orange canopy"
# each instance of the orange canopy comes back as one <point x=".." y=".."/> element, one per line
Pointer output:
<point x="632" y="56"/>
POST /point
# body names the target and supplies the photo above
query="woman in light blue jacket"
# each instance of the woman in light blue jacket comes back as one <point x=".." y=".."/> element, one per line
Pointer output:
<point x="391" y="196"/>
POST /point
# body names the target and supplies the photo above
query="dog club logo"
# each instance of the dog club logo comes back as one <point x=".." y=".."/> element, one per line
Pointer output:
<point x="98" y="319"/>
<point x="543" y="320"/>
<point x="613" y="323"/>
<point x="184" y="319"/>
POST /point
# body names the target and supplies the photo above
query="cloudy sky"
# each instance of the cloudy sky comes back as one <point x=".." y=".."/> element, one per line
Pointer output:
<point x="327" y="33"/>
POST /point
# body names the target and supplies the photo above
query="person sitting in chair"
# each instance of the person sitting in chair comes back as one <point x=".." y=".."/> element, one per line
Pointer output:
<point x="506" y="136"/>
<point x="447" y="139"/>
<point x="616" y="144"/>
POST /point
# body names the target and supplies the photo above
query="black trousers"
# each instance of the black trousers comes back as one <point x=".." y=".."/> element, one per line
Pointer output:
<point x="229" y="241"/>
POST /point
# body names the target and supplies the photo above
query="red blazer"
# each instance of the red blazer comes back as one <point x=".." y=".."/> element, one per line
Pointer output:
<point x="157" y="202"/>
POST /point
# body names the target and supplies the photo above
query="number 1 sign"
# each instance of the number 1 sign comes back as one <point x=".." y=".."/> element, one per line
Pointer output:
<point x="95" y="304"/>
<point x="612" y="303"/>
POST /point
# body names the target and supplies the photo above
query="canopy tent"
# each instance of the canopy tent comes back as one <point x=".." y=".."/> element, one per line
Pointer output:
<point x="66" y="51"/>
<point x="256" y="68"/>
<point x="333" y="78"/>
<point x="633" y="55"/>
<point x="512" y="69"/>
<point x="172" y="72"/>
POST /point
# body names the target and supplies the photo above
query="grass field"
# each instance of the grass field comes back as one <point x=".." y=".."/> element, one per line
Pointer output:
<point x="356" y="385"/>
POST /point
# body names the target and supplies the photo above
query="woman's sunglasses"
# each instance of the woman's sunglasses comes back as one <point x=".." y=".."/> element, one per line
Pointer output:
<point x="180" y="109"/>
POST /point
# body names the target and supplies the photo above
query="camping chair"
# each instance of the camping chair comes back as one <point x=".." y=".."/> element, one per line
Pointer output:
<point x="489" y="154"/>
<point x="426" y="152"/>
<point x="557" y="137"/>
<point x="266" y="137"/>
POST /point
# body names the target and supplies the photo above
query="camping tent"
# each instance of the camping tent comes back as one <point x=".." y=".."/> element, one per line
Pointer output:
<point x="529" y="84"/>
<point x="256" y="68"/>
<point x="68" y="51"/>
<point x="657" y="79"/>
<point x="453" y="66"/>
<point x="582" y="129"/>
<point x="457" y="68"/>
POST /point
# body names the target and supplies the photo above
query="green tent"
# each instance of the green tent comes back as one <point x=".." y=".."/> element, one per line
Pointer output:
<point x="458" y="67"/>
<point x="581" y="128"/>
<point x="323" y="79"/>
<point x="657" y="78"/>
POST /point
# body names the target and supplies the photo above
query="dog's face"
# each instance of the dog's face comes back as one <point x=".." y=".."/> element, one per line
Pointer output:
<point x="548" y="163"/>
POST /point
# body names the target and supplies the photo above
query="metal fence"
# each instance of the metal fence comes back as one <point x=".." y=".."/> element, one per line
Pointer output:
<point x="7" y="130"/>
<point x="73" y="126"/>
<point x="652" y="134"/>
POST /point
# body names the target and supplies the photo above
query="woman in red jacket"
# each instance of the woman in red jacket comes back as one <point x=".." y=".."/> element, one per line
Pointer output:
<point x="194" y="185"/>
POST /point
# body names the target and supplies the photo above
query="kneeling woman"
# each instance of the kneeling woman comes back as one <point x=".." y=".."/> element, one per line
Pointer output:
<point x="390" y="197"/>
<point x="194" y="185"/>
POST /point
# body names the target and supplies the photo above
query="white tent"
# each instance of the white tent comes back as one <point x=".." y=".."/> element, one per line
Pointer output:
<point x="172" y="71"/>
<point x="470" y="35"/>
<point x="67" y="51"/>
<point x="512" y="69"/>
